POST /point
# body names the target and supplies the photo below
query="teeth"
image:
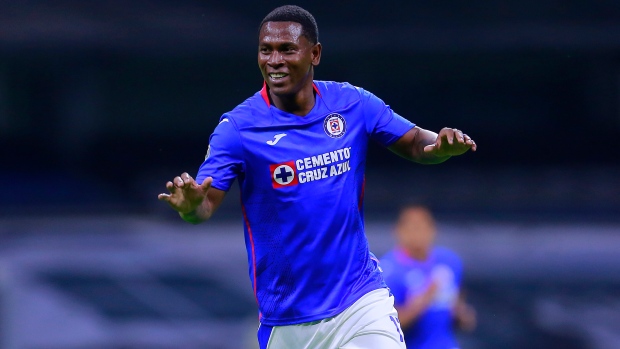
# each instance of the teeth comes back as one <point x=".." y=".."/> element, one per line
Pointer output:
<point x="277" y="75"/>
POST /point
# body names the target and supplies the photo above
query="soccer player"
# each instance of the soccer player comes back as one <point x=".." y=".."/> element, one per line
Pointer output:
<point x="297" y="148"/>
<point x="426" y="282"/>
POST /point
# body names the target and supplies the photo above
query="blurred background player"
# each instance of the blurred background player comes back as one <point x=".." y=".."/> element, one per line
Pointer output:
<point x="426" y="283"/>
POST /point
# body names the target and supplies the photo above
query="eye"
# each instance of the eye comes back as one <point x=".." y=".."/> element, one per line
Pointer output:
<point x="264" y="50"/>
<point x="289" y="49"/>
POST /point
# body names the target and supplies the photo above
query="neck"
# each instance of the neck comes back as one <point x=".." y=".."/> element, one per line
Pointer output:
<point x="417" y="254"/>
<point x="300" y="103"/>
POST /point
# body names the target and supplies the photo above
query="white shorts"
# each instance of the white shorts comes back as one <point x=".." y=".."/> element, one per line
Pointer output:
<point x="370" y="323"/>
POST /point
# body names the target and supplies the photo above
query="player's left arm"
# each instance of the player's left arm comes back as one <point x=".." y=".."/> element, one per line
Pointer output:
<point x="427" y="147"/>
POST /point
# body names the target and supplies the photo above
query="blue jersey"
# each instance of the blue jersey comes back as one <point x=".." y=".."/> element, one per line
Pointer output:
<point x="407" y="277"/>
<point x="302" y="187"/>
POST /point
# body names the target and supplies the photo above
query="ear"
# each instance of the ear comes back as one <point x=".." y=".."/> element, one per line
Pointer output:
<point x="316" y="53"/>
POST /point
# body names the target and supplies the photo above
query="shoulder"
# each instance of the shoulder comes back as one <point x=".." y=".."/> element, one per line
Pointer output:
<point x="448" y="256"/>
<point x="340" y="94"/>
<point x="247" y="113"/>
<point x="389" y="262"/>
<point x="336" y="87"/>
<point x="388" y="257"/>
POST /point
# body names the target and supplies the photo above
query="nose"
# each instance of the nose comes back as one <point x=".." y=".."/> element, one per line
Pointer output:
<point x="276" y="59"/>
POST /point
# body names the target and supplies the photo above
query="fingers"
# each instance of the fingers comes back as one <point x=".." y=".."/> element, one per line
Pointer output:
<point x="455" y="134"/>
<point x="166" y="197"/>
<point x="458" y="134"/>
<point x="178" y="182"/>
<point x="183" y="180"/>
<point x="429" y="148"/>
<point x="449" y="135"/>
<point x="450" y="142"/>
<point x="452" y="134"/>
<point x="206" y="184"/>
<point x="186" y="178"/>
<point x="469" y="141"/>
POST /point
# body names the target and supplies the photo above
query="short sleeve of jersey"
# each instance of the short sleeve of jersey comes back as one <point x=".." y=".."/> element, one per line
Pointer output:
<point x="394" y="279"/>
<point x="224" y="161"/>
<point x="382" y="123"/>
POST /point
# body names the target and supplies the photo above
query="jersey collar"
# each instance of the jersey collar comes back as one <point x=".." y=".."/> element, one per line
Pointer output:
<point x="265" y="93"/>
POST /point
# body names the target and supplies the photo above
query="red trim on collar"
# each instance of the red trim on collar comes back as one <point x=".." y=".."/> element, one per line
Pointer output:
<point x="316" y="89"/>
<point x="402" y="255"/>
<point x="405" y="257"/>
<point x="265" y="94"/>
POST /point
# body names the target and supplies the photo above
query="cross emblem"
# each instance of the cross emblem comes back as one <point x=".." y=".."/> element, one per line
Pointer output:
<point x="284" y="174"/>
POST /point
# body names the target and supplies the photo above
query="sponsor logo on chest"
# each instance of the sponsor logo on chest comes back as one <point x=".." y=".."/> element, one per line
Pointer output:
<point x="310" y="169"/>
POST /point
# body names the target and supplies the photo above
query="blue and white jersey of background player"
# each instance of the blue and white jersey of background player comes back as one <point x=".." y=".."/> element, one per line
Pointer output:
<point x="302" y="188"/>
<point x="408" y="277"/>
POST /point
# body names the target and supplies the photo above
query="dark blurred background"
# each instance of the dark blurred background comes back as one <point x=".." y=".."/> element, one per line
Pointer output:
<point x="102" y="102"/>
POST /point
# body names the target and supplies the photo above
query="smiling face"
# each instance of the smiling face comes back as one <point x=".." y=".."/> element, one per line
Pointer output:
<point x="286" y="59"/>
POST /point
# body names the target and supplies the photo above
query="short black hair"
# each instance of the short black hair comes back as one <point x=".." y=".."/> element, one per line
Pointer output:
<point x="293" y="13"/>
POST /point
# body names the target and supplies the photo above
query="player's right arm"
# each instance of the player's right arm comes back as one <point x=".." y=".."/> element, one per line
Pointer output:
<point x="194" y="202"/>
<point x="464" y="314"/>
<point x="197" y="199"/>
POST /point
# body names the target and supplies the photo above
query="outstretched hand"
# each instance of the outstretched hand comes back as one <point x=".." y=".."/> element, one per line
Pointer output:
<point x="450" y="142"/>
<point x="185" y="194"/>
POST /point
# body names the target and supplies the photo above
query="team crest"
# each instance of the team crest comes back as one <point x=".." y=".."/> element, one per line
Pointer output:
<point x="334" y="125"/>
<point x="283" y="175"/>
